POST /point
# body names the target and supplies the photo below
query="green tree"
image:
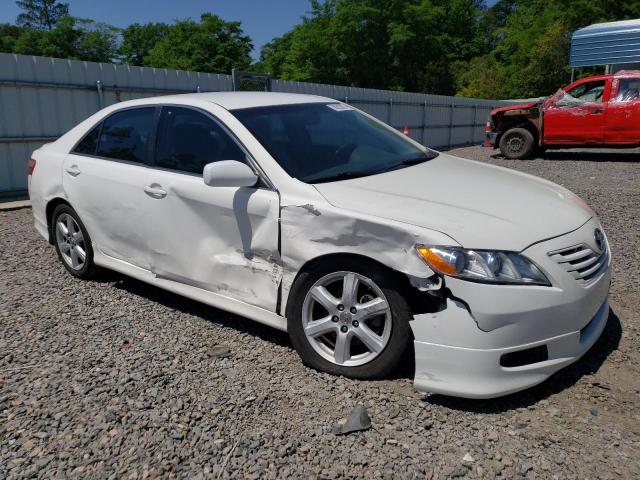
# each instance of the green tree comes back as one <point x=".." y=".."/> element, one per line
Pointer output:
<point x="41" y="14"/>
<point x="138" y="40"/>
<point x="9" y="34"/>
<point x="77" y="39"/>
<point x="211" y="45"/>
<point x="397" y="44"/>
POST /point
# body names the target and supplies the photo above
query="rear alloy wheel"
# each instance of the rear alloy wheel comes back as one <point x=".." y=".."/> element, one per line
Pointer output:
<point x="349" y="320"/>
<point x="72" y="242"/>
<point x="517" y="143"/>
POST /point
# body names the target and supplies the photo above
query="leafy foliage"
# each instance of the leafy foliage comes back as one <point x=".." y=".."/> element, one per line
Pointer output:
<point x="138" y="40"/>
<point x="41" y="14"/>
<point x="514" y="49"/>
<point x="73" y="38"/>
<point x="212" y="45"/>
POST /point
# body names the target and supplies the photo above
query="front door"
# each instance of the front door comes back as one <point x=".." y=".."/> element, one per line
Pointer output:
<point x="623" y="112"/>
<point x="104" y="178"/>
<point x="221" y="239"/>
<point x="577" y="116"/>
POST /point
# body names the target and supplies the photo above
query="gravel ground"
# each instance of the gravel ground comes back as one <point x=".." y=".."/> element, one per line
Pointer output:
<point x="114" y="378"/>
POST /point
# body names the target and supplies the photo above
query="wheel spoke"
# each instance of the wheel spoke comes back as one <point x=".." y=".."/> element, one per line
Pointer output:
<point x="350" y="289"/>
<point x="75" y="261"/>
<point x="65" y="247"/>
<point x="81" y="254"/>
<point x="319" y="327"/>
<point x="342" y="349"/>
<point x="372" y="341"/>
<point x="377" y="306"/>
<point x="78" y="237"/>
<point x="70" y="224"/>
<point x="324" y="298"/>
<point x="62" y="228"/>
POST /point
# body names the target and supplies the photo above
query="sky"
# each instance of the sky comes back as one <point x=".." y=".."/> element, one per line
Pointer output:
<point x="262" y="20"/>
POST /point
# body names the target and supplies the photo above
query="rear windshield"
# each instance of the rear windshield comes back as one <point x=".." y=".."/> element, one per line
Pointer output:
<point x="321" y="142"/>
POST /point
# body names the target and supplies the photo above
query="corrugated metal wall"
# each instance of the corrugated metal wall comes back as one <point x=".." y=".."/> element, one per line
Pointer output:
<point x="611" y="43"/>
<point x="41" y="98"/>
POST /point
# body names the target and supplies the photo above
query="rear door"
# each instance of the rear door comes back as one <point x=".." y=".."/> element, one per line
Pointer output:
<point x="221" y="239"/>
<point x="104" y="178"/>
<point x="623" y="112"/>
<point x="577" y="116"/>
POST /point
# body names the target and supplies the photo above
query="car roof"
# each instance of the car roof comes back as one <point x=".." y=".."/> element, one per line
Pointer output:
<point x="236" y="100"/>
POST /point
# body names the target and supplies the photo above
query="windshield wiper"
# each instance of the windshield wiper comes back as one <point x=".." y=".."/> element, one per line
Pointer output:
<point x="338" y="176"/>
<point x="408" y="162"/>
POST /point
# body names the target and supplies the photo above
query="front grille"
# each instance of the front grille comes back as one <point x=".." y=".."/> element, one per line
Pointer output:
<point x="581" y="261"/>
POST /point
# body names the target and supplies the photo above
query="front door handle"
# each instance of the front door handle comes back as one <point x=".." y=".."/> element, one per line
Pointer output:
<point x="73" y="170"/>
<point x="155" y="191"/>
<point x="597" y="111"/>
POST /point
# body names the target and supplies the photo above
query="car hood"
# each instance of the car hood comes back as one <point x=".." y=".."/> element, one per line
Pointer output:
<point x="518" y="106"/>
<point x="481" y="206"/>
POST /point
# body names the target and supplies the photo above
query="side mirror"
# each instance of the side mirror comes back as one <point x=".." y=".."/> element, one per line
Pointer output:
<point x="229" y="173"/>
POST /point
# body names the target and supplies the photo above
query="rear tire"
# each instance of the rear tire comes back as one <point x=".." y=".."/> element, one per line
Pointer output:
<point x="517" y="143"/>
<point x="367" y="342"/>
<point x="72" y="242"/>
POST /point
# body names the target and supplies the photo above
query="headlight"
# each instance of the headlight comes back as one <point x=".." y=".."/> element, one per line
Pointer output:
<point x="486" y="266"/>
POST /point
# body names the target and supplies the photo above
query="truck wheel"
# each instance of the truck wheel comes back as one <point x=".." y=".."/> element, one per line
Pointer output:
<point x="517" y="143"/>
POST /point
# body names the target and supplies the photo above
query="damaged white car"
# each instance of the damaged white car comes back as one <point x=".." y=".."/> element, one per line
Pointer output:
<point x="308" y="215"/>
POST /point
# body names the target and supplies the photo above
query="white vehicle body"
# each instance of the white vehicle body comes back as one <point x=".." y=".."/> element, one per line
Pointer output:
<point x="241" y="249"/>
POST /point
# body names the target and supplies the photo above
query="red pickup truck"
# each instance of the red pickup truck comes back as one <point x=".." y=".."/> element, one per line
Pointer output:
<point x="600" y="111"/>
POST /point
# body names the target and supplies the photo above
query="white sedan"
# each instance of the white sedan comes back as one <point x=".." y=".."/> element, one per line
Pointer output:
<point x="308" y="215"/>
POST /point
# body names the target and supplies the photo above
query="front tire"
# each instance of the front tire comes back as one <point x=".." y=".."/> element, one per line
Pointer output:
<point x="346" y="318"/>
<point x="517" y="143"/>
<point x="72" y="242"/>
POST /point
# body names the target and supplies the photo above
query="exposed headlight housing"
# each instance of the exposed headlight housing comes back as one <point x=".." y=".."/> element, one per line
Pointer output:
<point x="487" y="266"/>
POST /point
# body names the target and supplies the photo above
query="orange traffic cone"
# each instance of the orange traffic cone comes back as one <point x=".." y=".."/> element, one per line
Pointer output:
<point x="406" y="130"/>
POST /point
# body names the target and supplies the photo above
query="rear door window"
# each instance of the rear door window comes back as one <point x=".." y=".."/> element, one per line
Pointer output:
<point x="628" y="90"/>
<point x="187" y="140"/>
<point x="89" y="143"/>
<point x="125" y="135"/>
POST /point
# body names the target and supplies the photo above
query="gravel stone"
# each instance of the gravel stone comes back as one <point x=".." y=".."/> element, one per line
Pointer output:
<point x="112" y="378"/>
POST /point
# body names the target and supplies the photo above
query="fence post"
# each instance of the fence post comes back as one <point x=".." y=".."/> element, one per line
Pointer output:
<point x="473" y="129"/>
<point x="424" y="124"/>
<point x="389" y="112"/>
<point x="451" y="109"/>
<point x="100" y="97"/>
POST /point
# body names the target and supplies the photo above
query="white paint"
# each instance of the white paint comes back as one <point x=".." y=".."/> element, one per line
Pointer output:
<point x="239" y="247"/>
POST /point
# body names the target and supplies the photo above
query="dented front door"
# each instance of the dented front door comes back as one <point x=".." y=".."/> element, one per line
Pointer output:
<point x="221" y="239"/>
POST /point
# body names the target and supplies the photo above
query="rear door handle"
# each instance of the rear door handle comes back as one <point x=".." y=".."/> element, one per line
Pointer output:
<point x="155" y="191"/>
<point x="597" y="111"/>
<point x="73" y="170"/>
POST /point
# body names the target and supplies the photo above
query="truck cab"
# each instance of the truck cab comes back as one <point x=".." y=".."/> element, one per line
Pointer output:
<point x="597" y="111"/>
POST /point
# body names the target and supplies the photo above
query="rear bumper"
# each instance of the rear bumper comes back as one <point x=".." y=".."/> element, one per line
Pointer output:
<point x="478" y="373"/>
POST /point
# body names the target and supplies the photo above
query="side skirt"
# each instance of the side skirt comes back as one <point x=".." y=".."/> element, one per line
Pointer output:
<point x="198" y="294"/>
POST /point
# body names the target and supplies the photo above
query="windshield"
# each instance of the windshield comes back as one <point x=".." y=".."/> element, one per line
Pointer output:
<point x="322" y="142"/>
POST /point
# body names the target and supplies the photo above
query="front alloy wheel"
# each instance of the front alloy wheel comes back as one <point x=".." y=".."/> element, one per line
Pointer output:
<point x="346" y="319"/>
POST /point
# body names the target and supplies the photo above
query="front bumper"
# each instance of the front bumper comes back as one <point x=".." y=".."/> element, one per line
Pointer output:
<point x="467" y="348"/>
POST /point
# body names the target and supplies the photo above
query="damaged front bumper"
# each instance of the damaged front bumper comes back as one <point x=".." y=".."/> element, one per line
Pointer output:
<point x="491" y="340"/>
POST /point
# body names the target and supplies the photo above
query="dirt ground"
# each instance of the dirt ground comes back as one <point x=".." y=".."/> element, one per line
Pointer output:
<point x="113" y="378"/>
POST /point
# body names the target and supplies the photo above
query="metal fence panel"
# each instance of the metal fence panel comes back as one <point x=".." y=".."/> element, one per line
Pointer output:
<point x="41" y="98"/>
